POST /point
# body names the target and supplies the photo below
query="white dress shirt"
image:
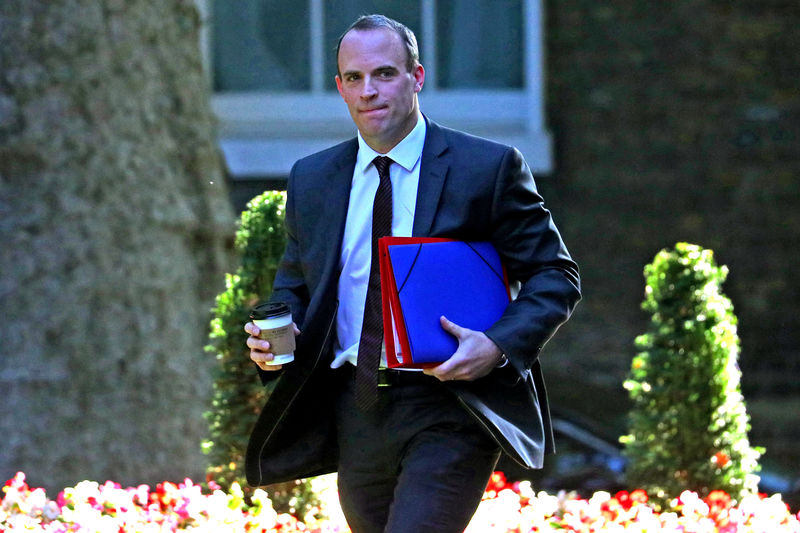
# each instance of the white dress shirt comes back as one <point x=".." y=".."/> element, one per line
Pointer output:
<point x="356" y="255"/>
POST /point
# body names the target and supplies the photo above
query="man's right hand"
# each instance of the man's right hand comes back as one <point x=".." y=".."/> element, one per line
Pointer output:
<point x="259" y="348"/>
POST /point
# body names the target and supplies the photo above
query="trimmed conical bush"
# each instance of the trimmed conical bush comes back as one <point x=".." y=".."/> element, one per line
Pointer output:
<point x="688" y="424"/>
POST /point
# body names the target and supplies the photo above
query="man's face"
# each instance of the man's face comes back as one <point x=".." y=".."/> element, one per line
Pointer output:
<point x="375" y="83"/>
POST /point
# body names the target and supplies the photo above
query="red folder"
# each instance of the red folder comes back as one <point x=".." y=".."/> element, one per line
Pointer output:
<point x="423" y="278"/>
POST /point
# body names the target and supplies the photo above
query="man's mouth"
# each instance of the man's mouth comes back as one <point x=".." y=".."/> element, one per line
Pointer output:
<point x="373" y="109"/>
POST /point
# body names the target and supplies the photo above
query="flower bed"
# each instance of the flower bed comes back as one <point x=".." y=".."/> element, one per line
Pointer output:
<point x="506" y="507"/>
<point x="517" y="508"/>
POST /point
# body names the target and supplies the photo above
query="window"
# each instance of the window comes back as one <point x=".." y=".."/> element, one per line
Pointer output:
<point x="272" y="66"/>
<point x="252" y="52"/>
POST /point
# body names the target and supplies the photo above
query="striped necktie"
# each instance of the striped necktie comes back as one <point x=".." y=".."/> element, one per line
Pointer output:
<point x="369" y="347"/>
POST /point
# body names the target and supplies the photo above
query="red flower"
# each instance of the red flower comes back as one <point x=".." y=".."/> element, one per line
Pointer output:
<point x="624" y="499"/>
<point x="721" y="459"/>
<point x="497" y="482"/>
<point x="719" y="502"/>
<point x="718" y="498"/>
<point x="639" y="496"/>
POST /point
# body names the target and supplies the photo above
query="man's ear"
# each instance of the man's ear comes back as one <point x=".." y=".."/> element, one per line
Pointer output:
<point x="419" y="75"/>
<point x="339" y="85"/>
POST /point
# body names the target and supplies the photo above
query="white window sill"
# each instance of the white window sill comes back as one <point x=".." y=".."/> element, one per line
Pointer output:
<point x="262" y="135"/>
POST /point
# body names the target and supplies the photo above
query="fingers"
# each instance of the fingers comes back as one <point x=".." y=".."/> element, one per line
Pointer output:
<point x="264" y="365"/>
<point x="259" y="348"/>
<point x="263" y="360"/>
<point x="257" y="344"/>
<point x="452" y="328"/>
<point x="475" y="357"/>
<point x="261" y="357"/>
<point x="447" y="371"/>
<point x="255" y="331"/>
<point x="453" y="368"/>
<point x="441" y="373"/>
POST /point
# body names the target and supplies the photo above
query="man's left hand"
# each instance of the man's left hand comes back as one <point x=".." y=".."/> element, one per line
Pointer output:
<point x="475" y="357"/>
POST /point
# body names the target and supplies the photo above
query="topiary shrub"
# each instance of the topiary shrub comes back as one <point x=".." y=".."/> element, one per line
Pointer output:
<point x="688" y="424"/>
<point x="238" y="394"/>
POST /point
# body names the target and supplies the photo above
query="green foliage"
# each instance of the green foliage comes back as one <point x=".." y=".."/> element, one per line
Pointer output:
<point x="238" y="393"/>
<point x="688" y="425"/>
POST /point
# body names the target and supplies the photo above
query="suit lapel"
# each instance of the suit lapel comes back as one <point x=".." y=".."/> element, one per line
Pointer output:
<point x="337" y="190"/>
<point x="432" y="174"/>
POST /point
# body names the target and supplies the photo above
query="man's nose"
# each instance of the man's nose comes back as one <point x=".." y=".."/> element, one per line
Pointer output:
<point x="368" y="90"/>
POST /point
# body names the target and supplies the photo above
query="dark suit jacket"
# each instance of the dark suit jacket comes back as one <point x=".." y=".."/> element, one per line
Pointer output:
<point x="469" y="189"/>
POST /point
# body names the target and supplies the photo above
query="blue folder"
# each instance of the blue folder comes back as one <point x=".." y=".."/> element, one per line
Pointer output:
<point x="425" y="278"/>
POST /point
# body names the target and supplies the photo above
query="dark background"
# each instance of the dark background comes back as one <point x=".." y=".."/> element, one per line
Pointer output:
<point x="673" y="122"/>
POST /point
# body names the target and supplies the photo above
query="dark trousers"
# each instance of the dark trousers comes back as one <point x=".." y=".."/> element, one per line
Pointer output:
<point x="417" y="463"/>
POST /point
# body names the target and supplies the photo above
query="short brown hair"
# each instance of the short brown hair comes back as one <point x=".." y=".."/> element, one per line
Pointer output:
<point x="374" y="22"/>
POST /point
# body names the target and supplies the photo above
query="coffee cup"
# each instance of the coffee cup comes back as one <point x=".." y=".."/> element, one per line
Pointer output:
<point x="274" y="319"/>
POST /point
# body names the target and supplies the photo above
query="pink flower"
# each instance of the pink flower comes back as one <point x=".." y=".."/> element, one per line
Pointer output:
<point x="506" y="508"/>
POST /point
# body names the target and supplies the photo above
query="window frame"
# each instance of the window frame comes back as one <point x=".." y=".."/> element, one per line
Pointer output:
<point x="263" y="133"/>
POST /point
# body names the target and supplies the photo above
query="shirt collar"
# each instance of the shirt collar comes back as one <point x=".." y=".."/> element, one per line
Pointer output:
<point x="406" y="154"/>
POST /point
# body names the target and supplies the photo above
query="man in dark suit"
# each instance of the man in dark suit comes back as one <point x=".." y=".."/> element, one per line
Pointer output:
<point x="415" y="453"/>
